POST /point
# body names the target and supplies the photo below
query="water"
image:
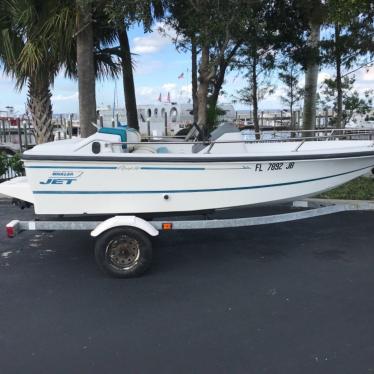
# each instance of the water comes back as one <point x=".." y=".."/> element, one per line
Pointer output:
<point x="266" y="135"/>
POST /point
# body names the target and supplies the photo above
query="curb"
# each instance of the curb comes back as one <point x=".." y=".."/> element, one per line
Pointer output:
<point x="339" y="201"/>
<point x="317" y="202"/>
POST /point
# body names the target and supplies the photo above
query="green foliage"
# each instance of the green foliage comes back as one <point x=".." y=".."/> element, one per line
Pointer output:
<point x="25" y="49"/>
<point x="16" y="164"/>
<point x="134" y="11"/>
<point x="347" y="43"/>
<point x="355" y="21"/>
<point x="13" y="162"/>
<point x="353" y="102"/>
<point x="210" y="21"/>
<point x="245" y="95"/>
<point x="212" y="117"/>
<point x="38" y="37"/>
<point x="3" y="163"/>
<point x="358" y="189"/>
<point x="289" y="75"/>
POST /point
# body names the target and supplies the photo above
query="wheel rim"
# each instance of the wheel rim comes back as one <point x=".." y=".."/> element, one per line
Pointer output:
<point x="123" y="252"/>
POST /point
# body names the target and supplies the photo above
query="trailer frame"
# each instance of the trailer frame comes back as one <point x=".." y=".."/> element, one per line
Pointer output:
<point x="138" y="231"/>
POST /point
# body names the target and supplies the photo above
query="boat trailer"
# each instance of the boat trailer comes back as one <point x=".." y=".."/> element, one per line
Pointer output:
<point x="123" y="245"/>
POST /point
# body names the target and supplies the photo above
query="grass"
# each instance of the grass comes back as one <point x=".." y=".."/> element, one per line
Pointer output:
<point x="358" y="189"/>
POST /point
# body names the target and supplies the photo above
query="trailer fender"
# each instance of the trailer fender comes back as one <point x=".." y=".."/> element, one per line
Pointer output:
<point x="131" y="221"/>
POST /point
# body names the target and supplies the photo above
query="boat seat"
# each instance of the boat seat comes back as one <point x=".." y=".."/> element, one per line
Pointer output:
<point x="115" y="131"/>
<point x="162" y="150"/>
<point x="143" y="149"/>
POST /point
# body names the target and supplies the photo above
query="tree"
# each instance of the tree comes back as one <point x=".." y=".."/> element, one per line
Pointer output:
<point x="86" y="31"/>
<point x="123" y="14"/>
<point x="352" y="102"/>
<point x="224" y="60"/>
<point x="311" y="79"/>
<point x="30" y="57"/>
<point x="128" y="78"/>
<point x="267" y="28"/>
<point x="3" y="163"/>
<point x="257" y="56"/>
<point x="350" y="39"/>
<point x="289" y="74"/>
<point x="215" y="28"/>
<point x="314" y="12"/>
<point x="37" y="40"/>
<point x="86" y="68"/>
<point x="253" y="93"/>
<point x="194" y="52"/>
<point x="189" y="44"/>
<point x="341" y="15"/>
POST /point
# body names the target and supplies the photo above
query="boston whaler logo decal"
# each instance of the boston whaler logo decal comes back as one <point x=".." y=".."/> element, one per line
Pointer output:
<point x="62" y="177"/>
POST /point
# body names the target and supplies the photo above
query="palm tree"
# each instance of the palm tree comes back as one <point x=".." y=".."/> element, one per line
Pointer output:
<point x="84" y="55"/>
<point x="123" y="14"/>
<point x="29" y="57"/>
<point x="127" y="77"/>
<point x="37" y="39"/>
<point x="85" y="66"/>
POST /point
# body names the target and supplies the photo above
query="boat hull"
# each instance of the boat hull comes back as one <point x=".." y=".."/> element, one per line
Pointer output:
<point x="124" y="187"/>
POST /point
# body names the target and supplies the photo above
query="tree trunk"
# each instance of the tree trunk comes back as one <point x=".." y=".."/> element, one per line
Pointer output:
<point x="338" y="62"/>
<point x="255" y="98"/>
<point x="220" y="77"/>
<point x="292" y="95"/>
<point x="311" y="78"/>
<point x="292" y="100"/>
<point x="40" y="107"/>
<point x="202" y="91"/>
<point x="194" y="79"/>
<point x="291" y="116"/>
<point x="217" y="86"/>
<point x="128" y="78"/>
<point x="86" y="70"/>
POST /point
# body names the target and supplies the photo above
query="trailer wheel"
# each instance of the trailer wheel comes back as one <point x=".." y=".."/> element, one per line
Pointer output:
<point x="123" y="252"/>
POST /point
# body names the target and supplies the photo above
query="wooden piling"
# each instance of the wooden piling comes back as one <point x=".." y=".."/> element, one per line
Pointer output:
<point x="70" y="126"/>
<point x="25" y="134"/>
<point x="19" y="134"/>
<point x="149" y="127"/>
<point x="166" y="123"/>
<point x="4" y="133"/>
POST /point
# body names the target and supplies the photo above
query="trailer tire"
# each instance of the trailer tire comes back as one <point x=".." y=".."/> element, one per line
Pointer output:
<point x="123" y="252"/>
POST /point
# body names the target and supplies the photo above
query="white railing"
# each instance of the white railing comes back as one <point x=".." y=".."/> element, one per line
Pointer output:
<point x="330" y="135"/>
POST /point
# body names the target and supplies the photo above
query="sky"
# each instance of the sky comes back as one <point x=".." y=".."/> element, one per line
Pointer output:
<point x="157" y="67"/>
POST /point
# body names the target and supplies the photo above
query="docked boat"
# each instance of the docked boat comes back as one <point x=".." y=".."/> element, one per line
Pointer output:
<point x="113" y="172"/>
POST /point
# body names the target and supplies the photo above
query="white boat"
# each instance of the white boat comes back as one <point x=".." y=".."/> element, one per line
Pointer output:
<point x="104" y="175"/>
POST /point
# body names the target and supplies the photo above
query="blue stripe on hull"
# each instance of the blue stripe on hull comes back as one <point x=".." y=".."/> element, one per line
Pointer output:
<point x="167" y="168"/>
<point x="110" y="167"/>
<point x="72" y="167"/>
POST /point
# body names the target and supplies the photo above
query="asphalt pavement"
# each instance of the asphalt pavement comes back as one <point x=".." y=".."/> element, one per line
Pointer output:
<point x="286" y="298"/>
